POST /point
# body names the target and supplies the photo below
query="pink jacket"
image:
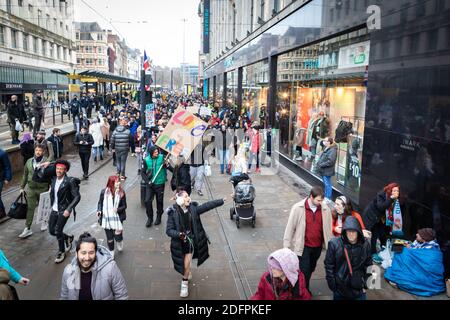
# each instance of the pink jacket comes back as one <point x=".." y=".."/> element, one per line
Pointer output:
<point x="255" y="144"/>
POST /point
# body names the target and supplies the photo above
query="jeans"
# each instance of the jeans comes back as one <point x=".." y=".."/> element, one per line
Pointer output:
<point x="337" y="296"/>
<point x="197" y="174"/>
<point x="99" y="151"/>
<point x="328" y="187"/>
<point x="223" y="158"/>
<point x="121" y="161"/>
<point x="56" y="225"/>
<point x="2" y="206"/>
<point x="150" y="193"/>
<point x="85" y="162"/>
<point x="250" y="159"/>
<point x="308" y="262"/>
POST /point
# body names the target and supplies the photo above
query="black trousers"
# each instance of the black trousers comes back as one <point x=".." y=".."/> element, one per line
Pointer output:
<point x="85" y="162"/>
<point x="150" y="193"/>
<point x="56" y="225"/>
<point x="38" y="117"/>
<point x="111" y="236"/>
<point x="308" y="262"/>
<point x="379" y="231"/>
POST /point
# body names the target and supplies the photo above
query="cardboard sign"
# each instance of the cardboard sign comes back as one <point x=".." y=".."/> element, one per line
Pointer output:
<point x="44" y="208"/>
<point x="150" y="115"/>
<point x="182" y="134"/>
<point x="205" y="111"/>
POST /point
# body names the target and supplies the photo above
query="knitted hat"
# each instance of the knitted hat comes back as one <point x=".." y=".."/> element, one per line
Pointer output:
<point x="427" y="234"/>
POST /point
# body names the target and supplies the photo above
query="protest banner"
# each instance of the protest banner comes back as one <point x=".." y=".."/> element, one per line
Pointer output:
<point x="182" y="134"/>
<point x="205" y="111"/>
<point x="150" y="115"/>
<point x="44" y="208"/>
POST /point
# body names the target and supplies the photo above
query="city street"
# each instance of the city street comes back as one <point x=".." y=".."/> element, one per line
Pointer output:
<point x="238" y="257"/>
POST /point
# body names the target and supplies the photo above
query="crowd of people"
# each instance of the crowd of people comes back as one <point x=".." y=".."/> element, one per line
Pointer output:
<point x="315" y="223"/>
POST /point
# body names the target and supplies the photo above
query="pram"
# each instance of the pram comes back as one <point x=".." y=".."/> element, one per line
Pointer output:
<point x="244" y="196"/>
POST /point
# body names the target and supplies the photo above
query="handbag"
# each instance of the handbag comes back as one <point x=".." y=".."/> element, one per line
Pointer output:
<point x="356" y="279"/>
<point x="18" y="209"/>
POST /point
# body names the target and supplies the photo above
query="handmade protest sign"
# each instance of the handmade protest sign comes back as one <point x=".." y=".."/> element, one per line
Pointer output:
<point x="44" y="208"/>
<point x="182" y="134"/>
<point x="150" y="115"/>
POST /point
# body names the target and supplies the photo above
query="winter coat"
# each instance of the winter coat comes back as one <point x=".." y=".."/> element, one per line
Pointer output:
<point x="120" y="139"/>
<point x="58" y="145"/>
<point x="255" y="143"/>
<point x="38" y="106"/>
<point x="68" y="194"/>
<point x="5" y="166"/>
<point x="27" y="150"/>
<point x="15" y="110"/>
<point x="151" y="167"/>
<point x="107" y="280"/>
<point x="294" y="235"/>
<point x="265" y="289"/>
<point x="48" y="152"/>
<point x="84" y="148"/>
<point x="326" y="165"/>
<point x="200" y="238"/>
<point x="336" y="266"/>
<point x="4" y="264"/>
<point x="105" y="130"/>
<point x="27" y="178"/>
<point x="96" y="132"/>
<point x="121" y="209"/>
<point x="181" y="177"/>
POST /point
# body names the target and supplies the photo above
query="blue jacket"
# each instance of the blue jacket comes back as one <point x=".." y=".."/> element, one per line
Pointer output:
<point x="5" y="166"/>
<point x="4" y="264"/>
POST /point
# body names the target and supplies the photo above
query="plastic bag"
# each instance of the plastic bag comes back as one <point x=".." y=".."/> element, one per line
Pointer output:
<point x="19" y="126"/>
<point x="387" y="255"/>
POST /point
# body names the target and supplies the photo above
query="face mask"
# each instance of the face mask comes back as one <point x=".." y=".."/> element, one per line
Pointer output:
<point x="180" y="201"/>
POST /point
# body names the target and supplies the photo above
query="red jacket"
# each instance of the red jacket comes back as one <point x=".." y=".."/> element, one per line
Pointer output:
<point x="265" y="291"/>
<point x="354" y="214"/>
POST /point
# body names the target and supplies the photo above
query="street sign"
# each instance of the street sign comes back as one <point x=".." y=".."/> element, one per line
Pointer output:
<point x="150" y="115"/>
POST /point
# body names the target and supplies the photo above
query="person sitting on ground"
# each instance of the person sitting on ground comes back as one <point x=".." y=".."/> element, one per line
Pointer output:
<point x="283" y="280"/>
<point x="419" y="268"/>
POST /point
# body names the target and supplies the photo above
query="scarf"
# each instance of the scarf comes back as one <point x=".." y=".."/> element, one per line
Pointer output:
<point x="36" y="162"/>
<point x="394" y="219"/>
<point x="110" y="219"/>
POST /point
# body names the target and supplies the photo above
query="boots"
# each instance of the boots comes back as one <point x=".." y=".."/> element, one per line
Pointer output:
<point x="149" y="220"/>
<point x="158" y="219"/>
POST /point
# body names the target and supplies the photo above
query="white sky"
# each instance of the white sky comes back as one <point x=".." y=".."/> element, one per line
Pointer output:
<point x="162" y="36"/>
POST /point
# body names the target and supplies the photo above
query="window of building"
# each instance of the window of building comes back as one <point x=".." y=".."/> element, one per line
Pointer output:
<point x="47" y="21"/>
<point x="30" y="8"/>
<point x="61" y="25"/>
<point x="25" y="42"/>
<point x="78" y="61"/>
<point x="88" y="49"/>
<point x="276" y="5"/>
<point x="89" y="61"/>
<point x="67" y="28"/>
<point x="35" y="45"/>
<point x="52" y="50"/>
<point x="20" y="3"/>
<point x="58" y="50"/>
<point x="99" y="50"/>
<point x="414" y="45"/>
<point x="8" y="6"/>
<point x="432" y="39"/>
<point x="14" y="39"/>
<point x="262" y="9"/>
<point x="77" y="36"/>
<point x="54" y="3"/>
<point x="2" y="36"/>
<point x="100" y="37"/>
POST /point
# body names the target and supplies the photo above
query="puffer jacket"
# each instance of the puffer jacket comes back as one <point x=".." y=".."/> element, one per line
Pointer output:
<point x="181" y="177"/>
<point x="326" y="166"/>
<point x="107" y="280"/>
<point x="200" y="238"/>
<point x="120" y="139"/>
<point x="84" y="148"/>
<point x="336" y="266"/>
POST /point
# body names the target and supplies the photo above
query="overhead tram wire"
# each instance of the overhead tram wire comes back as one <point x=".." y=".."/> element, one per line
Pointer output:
<point x="103" y="17"/>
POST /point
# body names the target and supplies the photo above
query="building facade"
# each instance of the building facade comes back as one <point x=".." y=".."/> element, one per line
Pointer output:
<point x="134" y="65"/>
<point x="382" y="67"/>
<point x="36" y="36"/>
<point x="92" y="46"/>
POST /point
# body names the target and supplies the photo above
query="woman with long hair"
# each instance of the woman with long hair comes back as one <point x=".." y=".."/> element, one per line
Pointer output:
<point x="111" y="212"/>
<point x="342" y="210"/>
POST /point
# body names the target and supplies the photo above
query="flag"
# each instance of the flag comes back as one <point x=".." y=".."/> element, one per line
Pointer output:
<point x="146" y="61"/>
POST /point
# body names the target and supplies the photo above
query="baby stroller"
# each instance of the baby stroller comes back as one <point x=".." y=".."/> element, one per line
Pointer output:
<point x="244" y="196"/>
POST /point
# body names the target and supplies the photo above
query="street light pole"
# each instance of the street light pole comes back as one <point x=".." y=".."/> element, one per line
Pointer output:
<point x="184" y="48"/>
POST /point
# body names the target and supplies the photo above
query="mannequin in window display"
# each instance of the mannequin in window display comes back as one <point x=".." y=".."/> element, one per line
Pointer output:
<point x="299" y="140"/>
<point x="262" y="116"/>
<point x="312" y="135"/>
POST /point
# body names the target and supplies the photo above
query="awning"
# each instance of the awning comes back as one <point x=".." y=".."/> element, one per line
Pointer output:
<point x="95" y="76"/>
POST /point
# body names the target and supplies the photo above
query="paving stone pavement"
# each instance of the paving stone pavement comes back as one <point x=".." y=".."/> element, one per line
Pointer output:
<point x="237" y="256"/>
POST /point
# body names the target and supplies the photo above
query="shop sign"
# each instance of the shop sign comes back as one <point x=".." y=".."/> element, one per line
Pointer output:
<point x="410" y="144"/>
<point x="13" y="86"/>
<point x="206" y="15"/>
<point x="52" y="86"/>
<point x="355" y="55"/>
<point x="328" y="60"/>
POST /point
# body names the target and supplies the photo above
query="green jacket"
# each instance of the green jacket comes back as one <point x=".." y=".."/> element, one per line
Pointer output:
<point x="27" y="177"/>
<point x="151" y="167"/>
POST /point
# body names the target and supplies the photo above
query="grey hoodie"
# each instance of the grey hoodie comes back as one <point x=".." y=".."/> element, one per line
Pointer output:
<point x="107" y="280"/>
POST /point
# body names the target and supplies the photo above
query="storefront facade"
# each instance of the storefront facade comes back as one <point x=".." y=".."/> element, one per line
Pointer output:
<point x="324" y="69"/>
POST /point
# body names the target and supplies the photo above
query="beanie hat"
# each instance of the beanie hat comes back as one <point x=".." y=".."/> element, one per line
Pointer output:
<point x="427" y="234"/>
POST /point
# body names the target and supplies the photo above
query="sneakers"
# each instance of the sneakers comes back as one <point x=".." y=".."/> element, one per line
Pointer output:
<point x="200" y="193"/>
<point x="44" y="226"/>
<point x="120" y="246"/>
<point x="133" y="154"/>
<point x="60" y="257"/>
<point x="26" y="233"/>
<point x="112" y="253"/>
<point x="184" y="292"/>
<point x="299" y="158"/>
<point x="68" y="243"/>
